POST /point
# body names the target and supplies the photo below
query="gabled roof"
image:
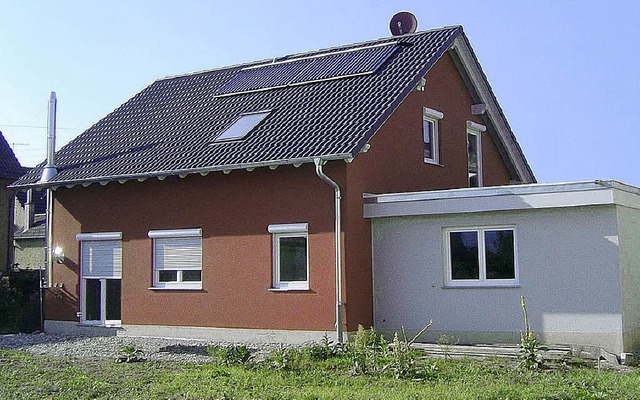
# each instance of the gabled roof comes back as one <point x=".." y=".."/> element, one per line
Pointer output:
<point x="9" y="165"/>
<point x="322" y="104"/>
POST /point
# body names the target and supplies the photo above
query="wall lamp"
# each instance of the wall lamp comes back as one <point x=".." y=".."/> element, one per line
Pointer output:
<point x="58" y="255"/>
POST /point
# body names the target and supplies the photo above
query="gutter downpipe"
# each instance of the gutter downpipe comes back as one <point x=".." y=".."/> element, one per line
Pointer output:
<point x="48" y="173"/>
<point x="338" y="233"/>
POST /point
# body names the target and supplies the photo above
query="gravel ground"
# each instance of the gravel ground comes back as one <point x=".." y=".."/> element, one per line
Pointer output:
<point x="194" y="351"/>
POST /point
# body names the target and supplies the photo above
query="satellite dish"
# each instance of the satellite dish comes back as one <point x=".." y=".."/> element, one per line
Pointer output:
<point x="403" y="23"/>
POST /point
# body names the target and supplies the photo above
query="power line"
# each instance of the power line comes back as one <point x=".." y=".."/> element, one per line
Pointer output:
<point x="39" y="127"/>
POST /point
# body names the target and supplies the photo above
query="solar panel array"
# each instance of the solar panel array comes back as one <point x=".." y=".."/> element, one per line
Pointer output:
<point x="334" y="65"/>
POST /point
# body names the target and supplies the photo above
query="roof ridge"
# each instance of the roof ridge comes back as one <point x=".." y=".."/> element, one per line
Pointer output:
<point x="305" y="53"/>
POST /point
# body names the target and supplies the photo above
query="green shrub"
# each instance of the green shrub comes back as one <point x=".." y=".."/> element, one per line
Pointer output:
<point x="371" y="354"/>
<point x="129" y="354"/>
<point x="19" y="302"/>
<point x="230" y="355"/>
<point x="323" y="351"/>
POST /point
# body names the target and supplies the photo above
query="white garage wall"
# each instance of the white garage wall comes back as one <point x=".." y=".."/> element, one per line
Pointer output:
<point x="569" y="273"/>
<point x="629" y="227"/>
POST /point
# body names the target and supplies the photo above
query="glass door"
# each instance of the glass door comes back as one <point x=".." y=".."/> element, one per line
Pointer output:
<point x="101" y="277"/>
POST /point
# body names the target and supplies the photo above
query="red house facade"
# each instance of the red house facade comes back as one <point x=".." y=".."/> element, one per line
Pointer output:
<point x="198" y="208"/>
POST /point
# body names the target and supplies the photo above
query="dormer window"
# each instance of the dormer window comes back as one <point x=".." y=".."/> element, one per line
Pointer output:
<point x="242" y="126"/>
<point x="430" y="120"/>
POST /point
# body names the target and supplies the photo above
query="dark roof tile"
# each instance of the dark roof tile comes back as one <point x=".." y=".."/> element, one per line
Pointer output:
<point x="169" y="127"/>
<point x="9" y="165"/>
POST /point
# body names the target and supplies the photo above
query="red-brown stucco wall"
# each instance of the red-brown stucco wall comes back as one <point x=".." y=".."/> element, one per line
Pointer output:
<point x="395" y="163"/>
<point x="233" y="211"/>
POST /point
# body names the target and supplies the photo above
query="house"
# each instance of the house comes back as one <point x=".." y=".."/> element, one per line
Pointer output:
<point x="29" y="229"/>
<point x="227" y="204"/>
<point x="10" y="170"/>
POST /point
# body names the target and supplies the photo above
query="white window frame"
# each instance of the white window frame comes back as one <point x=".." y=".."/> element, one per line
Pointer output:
<point x="431" y="116"/>
<point x="279" y="231"/>
<point x="482" y="281"/>
<point x="164" y="236"/>
<point x="475" y="129"/>
<point x="91" y="237"/>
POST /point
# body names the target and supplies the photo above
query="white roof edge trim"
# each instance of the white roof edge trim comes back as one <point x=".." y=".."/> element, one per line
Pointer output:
<point x="504" y="198"/>
<point x="474" y="126"/>
<point x="432" y="113"/>
<point x="99" y="236"/>
<point x="288" y="228"/>
<point x="173" y="233"/>
<point x="189" y="171"/>
<point x="491" y="191"/>
<point x="481" y="85"/>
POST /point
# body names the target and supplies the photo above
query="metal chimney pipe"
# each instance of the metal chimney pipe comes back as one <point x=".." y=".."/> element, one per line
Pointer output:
<point x="50" y="170"/>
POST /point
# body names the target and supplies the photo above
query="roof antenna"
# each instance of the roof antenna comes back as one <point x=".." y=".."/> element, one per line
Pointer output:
<point x="50" y="170"/>
<point x="403" y="23"/>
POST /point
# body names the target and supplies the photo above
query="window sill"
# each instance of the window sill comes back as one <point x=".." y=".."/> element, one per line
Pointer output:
<point x="289" y="290"/>
<point x="97" y="325"/>
<point x="509" y="286"/>
<point x="430" y="162"/>
<point x="190" y="289"/>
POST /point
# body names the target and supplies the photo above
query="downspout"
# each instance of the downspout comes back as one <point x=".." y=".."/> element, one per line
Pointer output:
<point x="11" y="245"/>
<point x="338" y="234"/>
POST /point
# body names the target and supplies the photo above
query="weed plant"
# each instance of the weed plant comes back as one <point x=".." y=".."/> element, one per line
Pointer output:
<point x="529" y="349"/>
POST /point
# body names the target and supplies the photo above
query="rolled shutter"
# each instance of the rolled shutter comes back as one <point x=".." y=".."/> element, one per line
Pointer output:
<point x="101" y="259"/>
<point x="183" y="253"/>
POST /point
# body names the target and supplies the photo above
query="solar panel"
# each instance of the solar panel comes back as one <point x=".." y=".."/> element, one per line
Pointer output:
<point x="266" y="76"/>
<point x="342" y="64"/>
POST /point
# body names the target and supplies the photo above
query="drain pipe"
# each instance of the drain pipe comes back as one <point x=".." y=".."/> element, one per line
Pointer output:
<point x="338" y="232"/>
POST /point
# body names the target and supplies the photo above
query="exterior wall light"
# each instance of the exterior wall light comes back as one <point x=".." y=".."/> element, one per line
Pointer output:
<point x="58" y="255"/>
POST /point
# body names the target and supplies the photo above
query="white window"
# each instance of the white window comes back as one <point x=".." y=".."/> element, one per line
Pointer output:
<point x="430" y="135"/>
<point x="290" y="256"/>
<point x="474" y="153"/>
<point x="484" y="256"/>
<point x="177" y="258"/>
<point x="100" y="278"/>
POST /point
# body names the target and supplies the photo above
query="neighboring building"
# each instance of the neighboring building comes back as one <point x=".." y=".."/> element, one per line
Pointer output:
<point x="464" y="257"/>
<point x="10" y="170"/>
<point x="201" y="207"/>
<point x="29" y="233"/>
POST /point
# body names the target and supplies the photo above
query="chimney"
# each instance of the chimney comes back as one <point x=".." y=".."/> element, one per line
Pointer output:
<point x="29" y="211"/>
<point x="50" y="170"/>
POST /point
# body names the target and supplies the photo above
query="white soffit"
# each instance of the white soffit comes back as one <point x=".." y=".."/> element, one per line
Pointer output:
<point x="502" y="198"/>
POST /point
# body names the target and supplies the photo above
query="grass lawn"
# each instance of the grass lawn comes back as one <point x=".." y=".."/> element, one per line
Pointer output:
<point x="24" y="376"/>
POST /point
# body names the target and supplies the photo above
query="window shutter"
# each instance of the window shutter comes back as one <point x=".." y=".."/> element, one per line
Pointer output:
<point x="178" y="253"/>
<point x="102" y="259"/>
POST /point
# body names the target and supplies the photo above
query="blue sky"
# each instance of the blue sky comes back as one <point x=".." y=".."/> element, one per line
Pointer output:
<point x="565" y="72"/>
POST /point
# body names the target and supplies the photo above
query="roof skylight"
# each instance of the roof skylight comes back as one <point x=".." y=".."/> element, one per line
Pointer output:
<point x="242" y="126"/>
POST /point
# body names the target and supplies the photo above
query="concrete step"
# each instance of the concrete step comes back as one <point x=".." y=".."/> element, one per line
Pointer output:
<point x="489" y="350"/>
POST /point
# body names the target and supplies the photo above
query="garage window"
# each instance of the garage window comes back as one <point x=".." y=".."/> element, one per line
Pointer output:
<point x="483" y="256"/>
